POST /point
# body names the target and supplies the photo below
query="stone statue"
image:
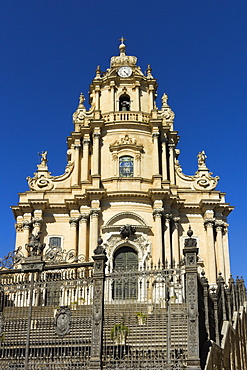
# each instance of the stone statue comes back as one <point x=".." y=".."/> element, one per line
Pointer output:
<point x="35" y="246"/>
<point x="201" y="159"/>
<point x="164" y="100"/>
<point x="44" y="159"/>
<point x="81" y="99"/>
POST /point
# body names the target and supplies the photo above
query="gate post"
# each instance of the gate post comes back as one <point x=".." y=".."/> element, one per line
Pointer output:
<point x="98" y="307"/>
<point x="190" y="252"/>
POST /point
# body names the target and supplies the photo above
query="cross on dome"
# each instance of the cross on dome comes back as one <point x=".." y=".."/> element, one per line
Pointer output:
<point x="122" y="40"/>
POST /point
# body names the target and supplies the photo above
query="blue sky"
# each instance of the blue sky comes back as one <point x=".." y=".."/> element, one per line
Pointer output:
<point x="197" y="49"/>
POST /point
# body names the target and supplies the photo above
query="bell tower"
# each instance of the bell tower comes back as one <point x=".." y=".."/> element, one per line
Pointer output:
<point x="123" y="87"/>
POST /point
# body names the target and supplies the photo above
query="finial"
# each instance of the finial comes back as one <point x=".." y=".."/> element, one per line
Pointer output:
<point x="149" y="71"/>
<point x="190" y="232"/>
<point x="122" y="40"/>
<point x="122" y="47"/>
<point x="98" y="72"/>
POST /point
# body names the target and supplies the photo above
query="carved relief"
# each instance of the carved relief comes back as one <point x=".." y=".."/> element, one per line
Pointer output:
<point x="126" y="141"/>
<point x="62" y="321"/>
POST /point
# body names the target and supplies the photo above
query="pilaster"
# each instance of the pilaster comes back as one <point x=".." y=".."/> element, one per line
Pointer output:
<point x="94" y="226"/>
<point x="85" y="161"/>
<point x="167" y="239"/>
<point x="211" y="257"/>
<point x="82" y="245"/>
<point x="158" y="245"/>
<point x="171" y="147"/>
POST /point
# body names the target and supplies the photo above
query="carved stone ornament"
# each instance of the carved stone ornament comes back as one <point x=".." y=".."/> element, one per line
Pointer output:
<point x="100" y="249"/>
<point x="62" y="321"/>
<point x="123" y="59"/>
<point x="202" y="180"/>
<point x="126" y="142"/>
<point x="127" y="230"/>
<point x="43" y="181"/>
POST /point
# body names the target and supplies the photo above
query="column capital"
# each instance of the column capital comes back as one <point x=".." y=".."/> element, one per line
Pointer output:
<point x="219" y="225"/>
<point x="176" y="221"/>
<point x="74" y="221"/>
<point x="209" y="222"/>
<point x="158" y="212"/>
<point x="37" y="221"/>
<point x="168" y="217"/>
<point x="84" y="217"/>
<point x="155" y="134"/>
<point x="19" y="226"/>
<point x="96" y="135"/>
<point x="94" y="212"/>
<point x="86" y="141"/>
<point x="27" y="224"/>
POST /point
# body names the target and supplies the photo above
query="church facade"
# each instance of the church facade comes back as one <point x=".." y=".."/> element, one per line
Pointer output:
<point x="123" y="181"/>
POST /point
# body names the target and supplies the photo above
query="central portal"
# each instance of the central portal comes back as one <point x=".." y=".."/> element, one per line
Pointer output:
<point x="125" y="285"/>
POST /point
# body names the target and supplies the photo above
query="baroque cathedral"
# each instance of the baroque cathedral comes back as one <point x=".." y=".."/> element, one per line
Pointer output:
<point x="123" y="169"/>
<point x="122" y="262"/>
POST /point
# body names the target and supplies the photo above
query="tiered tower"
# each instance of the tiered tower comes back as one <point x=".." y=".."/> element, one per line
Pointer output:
<point x="123" y="181"/>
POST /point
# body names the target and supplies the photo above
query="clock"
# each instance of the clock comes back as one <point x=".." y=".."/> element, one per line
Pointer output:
<point x="124" y="71"/>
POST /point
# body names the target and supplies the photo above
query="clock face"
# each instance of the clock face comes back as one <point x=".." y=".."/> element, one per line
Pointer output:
<point x="124" y="71"/>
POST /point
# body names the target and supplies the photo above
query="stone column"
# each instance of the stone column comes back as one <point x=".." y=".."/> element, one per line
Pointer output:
<point x="211" y="258"/>
<point x="96" y="138"/>
<point x="226" y="252"/>
<point x="73" y="232"/>
<point x="19" y="233"/>
<point x="82" y="248"/>
<point x="155" y="136"/>
<point x="27" y="226"/>
<point x="94" y="229"/>
<point x="112" y="87"/>
<point x="175" y="242"/>
<point x="137" y="94"/>
<point x="157" y="254"/>
<point x="37" y="221"/>
<point x="190" y="252"/>
<point x="171" y="147"/>
<point x="220" y="258"/>
<point x="164" y="160"/>
<point x="151" y="97"/>
<point x="85" y="162"/>
<point x="97" y="98"/>
<point x="167" y="237"/>
<point x="76" y="171"/>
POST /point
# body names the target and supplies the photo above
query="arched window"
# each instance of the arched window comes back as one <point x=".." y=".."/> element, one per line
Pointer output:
<point x="124" y="102"/>
<point x="125" y="287"/>
<point x="126" y="166"/>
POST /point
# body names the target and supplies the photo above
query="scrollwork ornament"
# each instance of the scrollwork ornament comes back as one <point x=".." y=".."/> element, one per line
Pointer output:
<point x="12" y="259"/>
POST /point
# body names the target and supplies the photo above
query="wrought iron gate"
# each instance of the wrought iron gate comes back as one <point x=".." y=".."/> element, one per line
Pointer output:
<point x="46" y="318"/>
